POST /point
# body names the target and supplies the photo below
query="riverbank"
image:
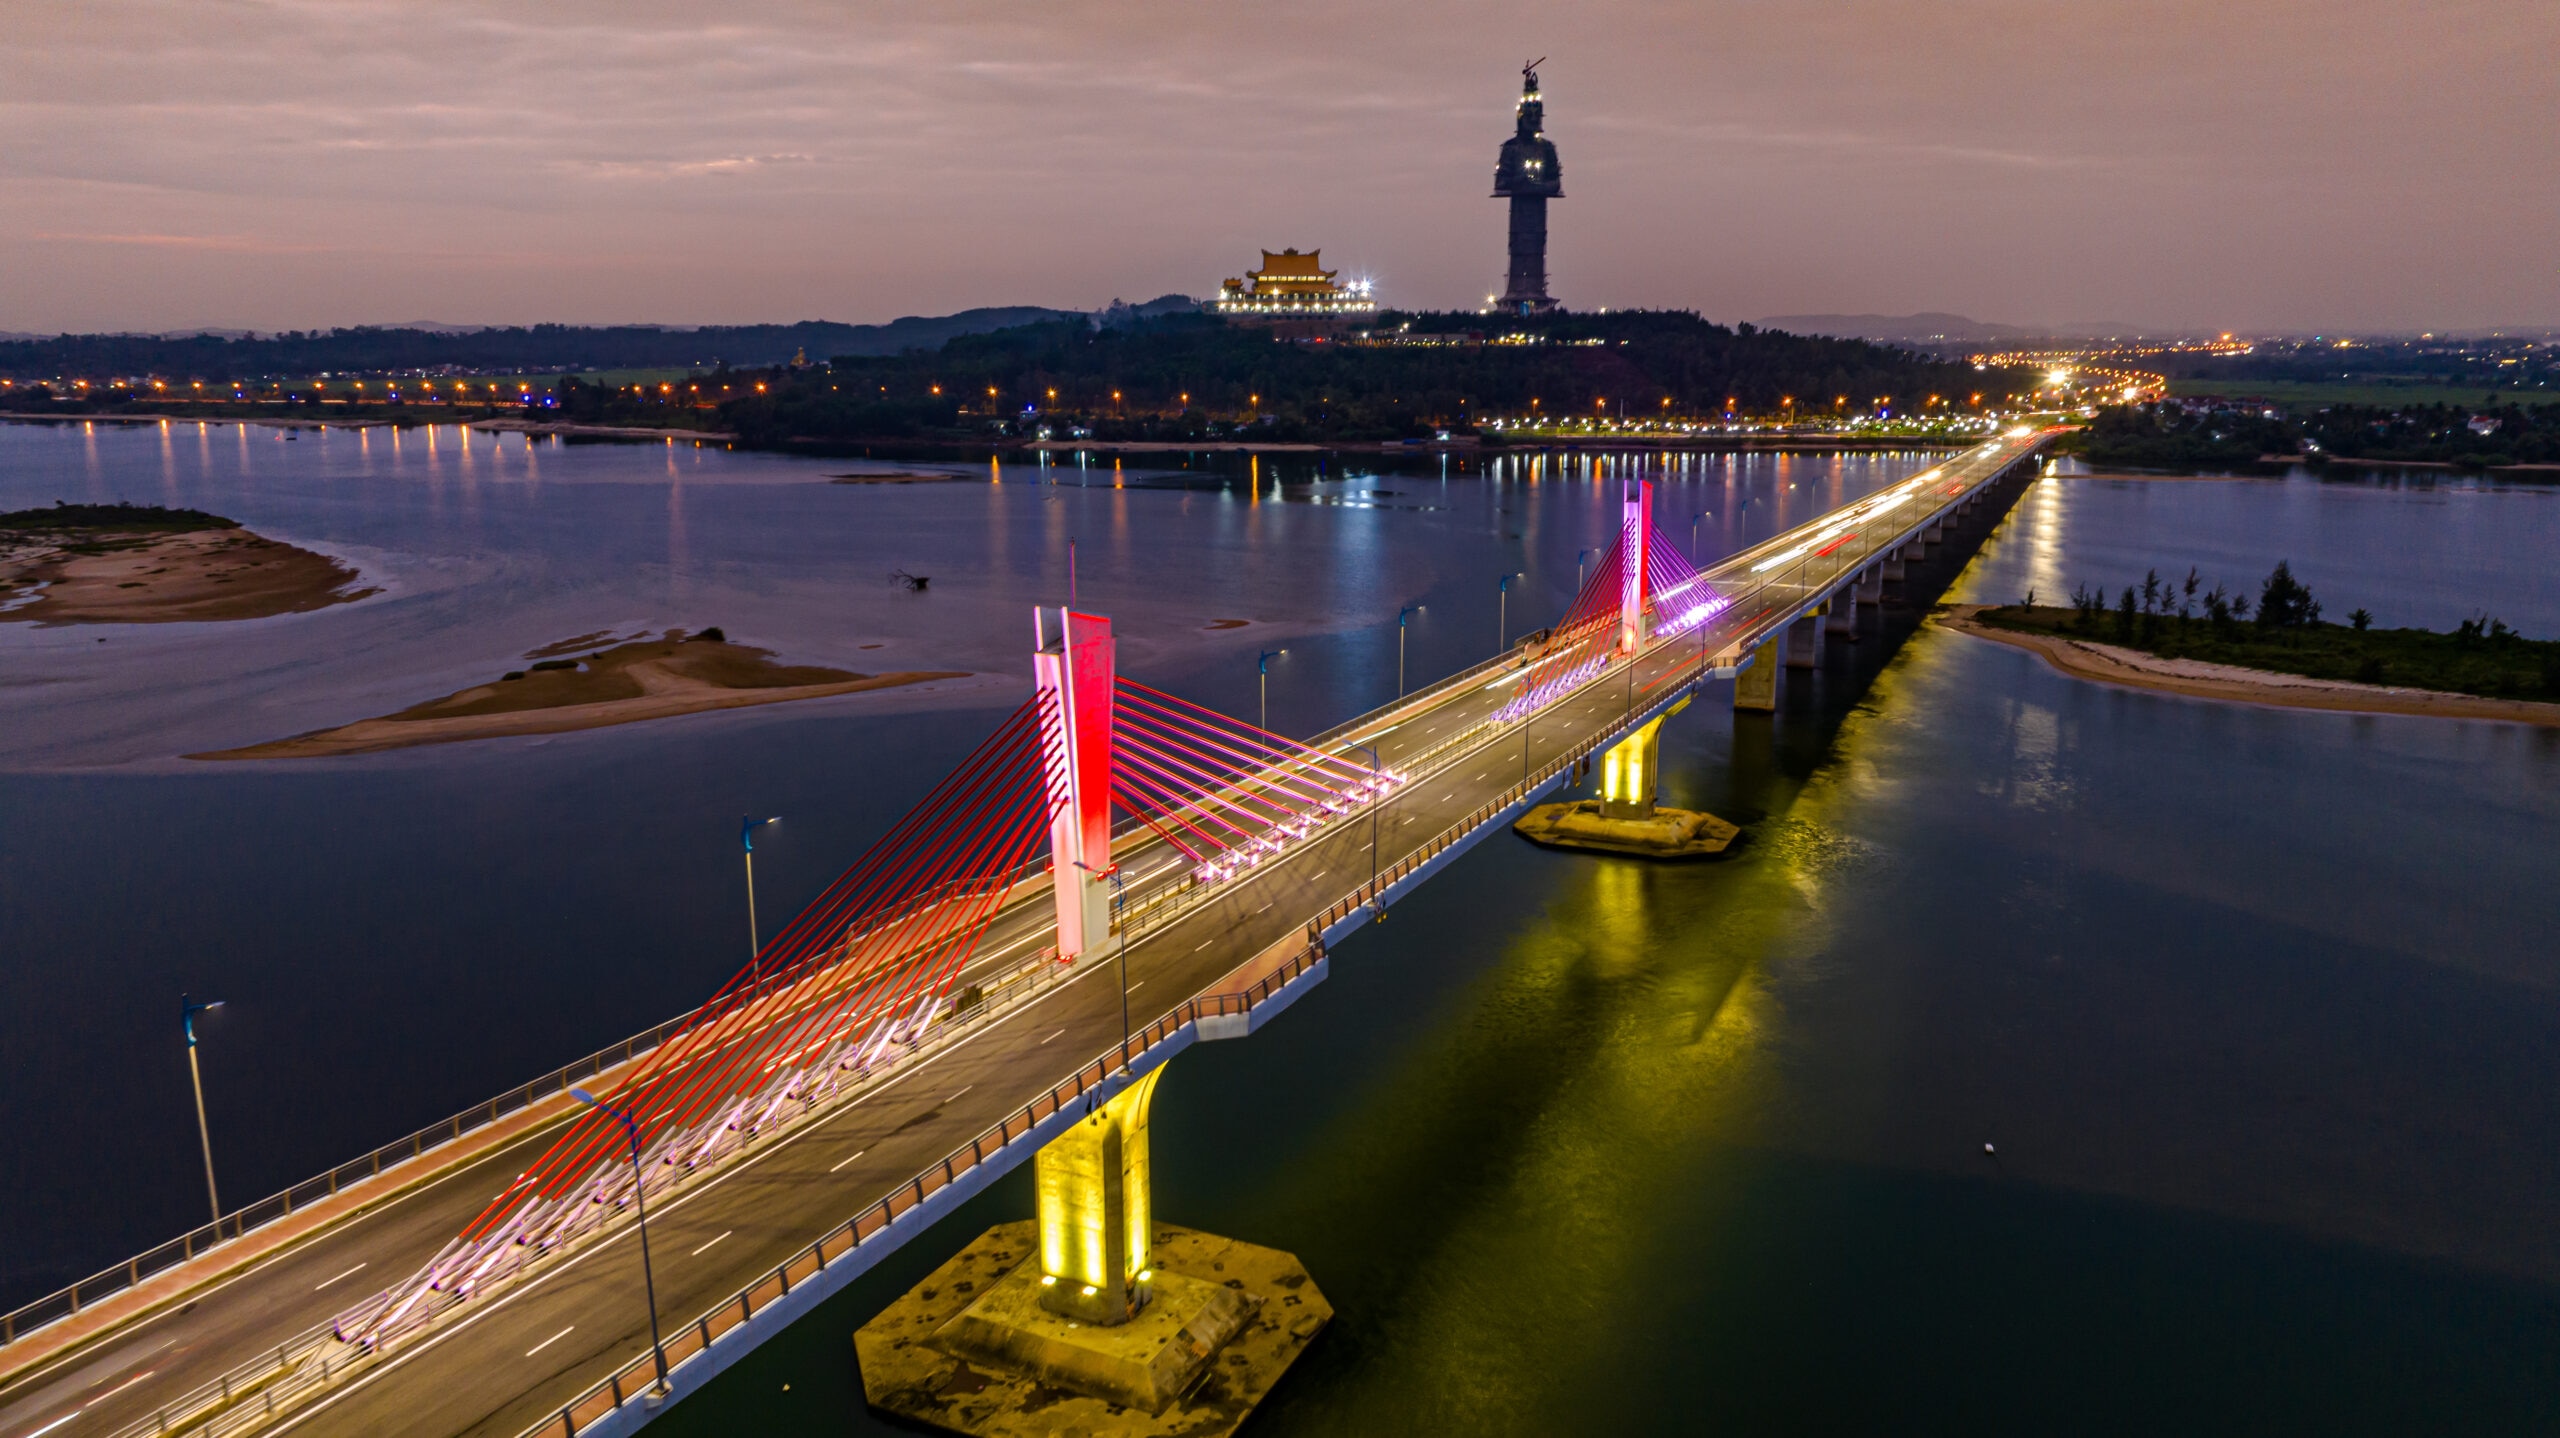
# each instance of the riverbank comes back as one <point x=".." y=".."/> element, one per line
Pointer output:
<point x="2201" y="679"/>
<point x="625" y="684"/>
<point x="108" y="564"/>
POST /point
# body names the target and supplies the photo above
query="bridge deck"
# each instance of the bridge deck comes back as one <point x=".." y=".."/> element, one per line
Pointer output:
<point x="518" y="1358"/>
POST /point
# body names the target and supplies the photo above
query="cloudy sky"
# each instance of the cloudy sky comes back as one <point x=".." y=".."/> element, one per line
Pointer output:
<point x="2358" y="164"/>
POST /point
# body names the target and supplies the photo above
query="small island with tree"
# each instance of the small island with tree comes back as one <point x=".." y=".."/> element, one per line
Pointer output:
<point x="2176" y="635"/>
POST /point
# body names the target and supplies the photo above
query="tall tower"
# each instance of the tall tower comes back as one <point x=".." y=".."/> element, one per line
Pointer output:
<point x="1528" y="175"/>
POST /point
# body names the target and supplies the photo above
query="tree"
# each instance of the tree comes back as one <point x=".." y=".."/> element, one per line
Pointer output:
<point x="2361" y="620"/>
<point x="2285" y="602"/>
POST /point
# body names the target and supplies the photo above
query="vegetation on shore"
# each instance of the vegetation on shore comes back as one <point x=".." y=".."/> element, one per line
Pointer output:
<point x="119" y="518"/>
<point x="2179" y="436"/>
<point x="2282" y="631"/>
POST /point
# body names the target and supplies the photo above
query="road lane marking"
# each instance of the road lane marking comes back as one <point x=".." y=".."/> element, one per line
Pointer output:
<point x="1133" y="988"/>
<point x="964" y="1088"/>
<point x="554" y="1338"/>
<point x="697" y="1253"/>
<point x="1052" y="1036"/>
<point x="1267" y="907"/>
<point x="318" y="1286"/>
<point x="1204" y="943"/>
<point x="848" y="1158"/>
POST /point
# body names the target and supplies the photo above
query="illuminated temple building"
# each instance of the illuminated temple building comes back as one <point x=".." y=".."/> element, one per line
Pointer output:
<point x="1294" y="286"/>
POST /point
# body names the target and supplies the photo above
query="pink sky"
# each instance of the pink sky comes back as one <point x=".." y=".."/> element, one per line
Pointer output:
<point x="2350" y="164"/>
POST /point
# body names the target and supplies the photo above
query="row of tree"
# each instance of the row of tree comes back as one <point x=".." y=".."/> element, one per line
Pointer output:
<point x="2174" y="436"/>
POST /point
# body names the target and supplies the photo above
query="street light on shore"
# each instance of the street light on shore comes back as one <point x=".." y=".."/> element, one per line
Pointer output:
<point x="747" y="840"/>
<point x="640" y="1203"/>
<point x="188" y="1009"/>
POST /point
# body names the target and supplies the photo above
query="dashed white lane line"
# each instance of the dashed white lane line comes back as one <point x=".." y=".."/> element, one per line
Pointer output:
<point x="554" y="1338"/>
<point x="848" y="1158"/>
<point x="348" y="1274"/>
<point x="697" y="1253"/>
<point x="1140" y="984"/>
<point x="1204" y="943"/>
<point x="1052" y="1036"/>
<point x="964" y="1088"/>
<point x="1267" y="907"/>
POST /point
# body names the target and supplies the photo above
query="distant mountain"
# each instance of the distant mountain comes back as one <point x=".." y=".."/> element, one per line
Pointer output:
<point x="1896" y="329"/>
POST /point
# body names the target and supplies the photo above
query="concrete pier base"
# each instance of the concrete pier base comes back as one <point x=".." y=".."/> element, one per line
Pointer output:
<point x="1755" y="689"/>
<point x="1870" y="586"/>
<point x="973" y="1350"/>
<point x="1840" y="616"/>
<point x="1660" y="834"/>
<point x="1804" y="642"/>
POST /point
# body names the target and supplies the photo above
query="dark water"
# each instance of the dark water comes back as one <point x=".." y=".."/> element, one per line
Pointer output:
<point x="2258" y="1007"/>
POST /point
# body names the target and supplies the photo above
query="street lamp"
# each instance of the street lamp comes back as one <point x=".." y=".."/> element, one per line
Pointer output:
<point x="1373" y="824"/>
<point x="1119" y="901"/>
<point x="1578" y="556"/>
<point x="188" y="1009"/>
<point x="747" y="840"/>
<point x="639" y="1202"/>
<point x="1401" y="616"/>
<point x="1262" y="664"/>
<point x="1502" y="612"/>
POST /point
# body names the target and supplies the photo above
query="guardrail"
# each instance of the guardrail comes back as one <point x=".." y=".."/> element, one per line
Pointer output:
<point x="634" y="1378"/>
<point x="63" y="1303"/>
<point x="263" y="1381"/>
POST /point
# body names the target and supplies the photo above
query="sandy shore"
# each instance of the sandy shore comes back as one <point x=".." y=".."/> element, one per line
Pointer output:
<point x="106" y="577"/>
<point x="631" y="682"/>
<point x="2110" y="664"/>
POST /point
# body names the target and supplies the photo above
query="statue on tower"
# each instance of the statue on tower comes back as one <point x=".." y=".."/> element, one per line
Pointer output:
<point x="1528" y="175"/>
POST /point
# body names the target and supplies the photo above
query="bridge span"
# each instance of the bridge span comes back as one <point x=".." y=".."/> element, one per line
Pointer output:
<point x="918" y="1031"/>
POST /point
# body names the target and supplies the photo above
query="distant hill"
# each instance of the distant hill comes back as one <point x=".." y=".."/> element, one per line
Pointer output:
<point x="1895" y="329"/>
<point x="369" y="349"/>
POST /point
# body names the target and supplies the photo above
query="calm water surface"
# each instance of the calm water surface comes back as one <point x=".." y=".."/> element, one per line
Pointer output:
<point x="2256" y="1006"/>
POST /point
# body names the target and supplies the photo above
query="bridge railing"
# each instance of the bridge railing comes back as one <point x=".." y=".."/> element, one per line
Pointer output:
<point x="88" y="1292"/>
<point x="635" y="1377"/>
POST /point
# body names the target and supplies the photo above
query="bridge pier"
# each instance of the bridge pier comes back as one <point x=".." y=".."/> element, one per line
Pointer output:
<point x="1840" y="613"/>
<point x="1755" y="689"/>
<point x="1096" y="1299"/>
<point x="1804" y="641"/>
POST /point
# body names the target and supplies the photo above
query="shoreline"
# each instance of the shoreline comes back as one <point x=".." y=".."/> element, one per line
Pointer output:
<point x="101" y="576"/>
<point x="2195" y="679"/>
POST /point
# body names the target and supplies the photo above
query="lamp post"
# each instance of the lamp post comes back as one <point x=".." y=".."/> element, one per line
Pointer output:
<point x="1502" y="612"/>
<point x="188" y="1009"/>
<point x="1578" y="556"/>
<point x="747" y="840"/>
<point x="1119" y="900"/>
<point x="1373" y="824"/>
<point x="640" y="1202"/>
<point x="1401" y="616"/>
<point x="1262" y="665"/>
<point x="1693" y="534"/>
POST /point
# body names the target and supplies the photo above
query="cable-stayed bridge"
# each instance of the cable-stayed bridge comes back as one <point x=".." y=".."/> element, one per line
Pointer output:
<point x="1110" y="849"/>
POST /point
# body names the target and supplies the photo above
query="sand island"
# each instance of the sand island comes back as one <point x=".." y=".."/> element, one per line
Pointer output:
<point x="623" y="683"/>
<point x="142" y="564"/>
<point x="2051" y="632"/>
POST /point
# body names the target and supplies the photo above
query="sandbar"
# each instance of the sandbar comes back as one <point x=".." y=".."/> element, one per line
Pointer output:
<point x="905" y="476"/>
<point x="2196" y="679"/>
<point x="104" y="576"/>
<point x="628" y="683"/>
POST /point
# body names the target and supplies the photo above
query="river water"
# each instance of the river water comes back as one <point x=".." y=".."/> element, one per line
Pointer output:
<point x="2256" y="1007"/>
